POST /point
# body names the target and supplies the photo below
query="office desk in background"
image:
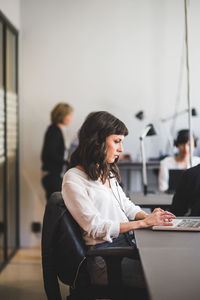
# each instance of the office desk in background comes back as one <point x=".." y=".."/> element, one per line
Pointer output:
<point x="171" y="263"/>
<point x="129" y="166"/>
<point x="152" y="201"/>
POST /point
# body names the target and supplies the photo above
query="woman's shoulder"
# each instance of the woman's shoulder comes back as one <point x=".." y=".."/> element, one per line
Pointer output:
<point x="75" y="175"/>
<point x="52" y="129"/>
<point x="196" y="159"/>
<point x="168" y="159"/>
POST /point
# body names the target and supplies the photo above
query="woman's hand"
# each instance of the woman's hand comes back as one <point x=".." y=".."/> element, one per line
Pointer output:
<point x="158" y="217"/>
<point x="157" y="209"/>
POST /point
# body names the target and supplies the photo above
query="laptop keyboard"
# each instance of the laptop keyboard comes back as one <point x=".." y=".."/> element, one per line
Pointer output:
<point x="189" y="223"/>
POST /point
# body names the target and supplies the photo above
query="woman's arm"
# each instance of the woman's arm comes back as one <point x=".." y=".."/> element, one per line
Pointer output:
<point x="130" y="209"/>
<point x="141" y="215"/>
<point x="158" y="217"/>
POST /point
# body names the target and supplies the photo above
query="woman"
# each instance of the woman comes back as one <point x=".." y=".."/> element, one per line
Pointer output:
<point x="93" y="196"/>
<point x="54" y="162"/>
<point x="180" y="161"/>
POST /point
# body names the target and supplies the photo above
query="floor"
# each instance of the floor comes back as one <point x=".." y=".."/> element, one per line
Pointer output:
<point x="22" y="279"/>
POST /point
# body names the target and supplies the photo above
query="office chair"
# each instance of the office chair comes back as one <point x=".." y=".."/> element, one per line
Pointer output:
<point x="174" y="179"/>
<point x="186" y="200"/>
<point x="64" y="256"/>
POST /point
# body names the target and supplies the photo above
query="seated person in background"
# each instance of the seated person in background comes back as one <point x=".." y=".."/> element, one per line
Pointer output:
<point x="92" y="194"/>
<point x="187" y="196"/>
<point x="179" y="161"/>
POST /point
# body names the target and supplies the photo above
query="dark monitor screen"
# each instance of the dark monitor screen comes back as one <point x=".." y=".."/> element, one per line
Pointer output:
<point x="174" y="179"/>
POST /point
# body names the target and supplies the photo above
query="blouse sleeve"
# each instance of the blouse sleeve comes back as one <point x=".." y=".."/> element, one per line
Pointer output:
<point x="129" y="207"/>
<point x="85" y="213"/>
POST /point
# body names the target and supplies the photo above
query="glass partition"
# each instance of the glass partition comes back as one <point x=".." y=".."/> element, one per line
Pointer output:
<point x="9" y="202"/>
<point x="11" y="139"/>
<point x="2" y="150"/>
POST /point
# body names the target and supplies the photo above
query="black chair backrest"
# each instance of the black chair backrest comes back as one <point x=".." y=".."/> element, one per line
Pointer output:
<point x="63" y="248"/>
<point x="174" y="179"/>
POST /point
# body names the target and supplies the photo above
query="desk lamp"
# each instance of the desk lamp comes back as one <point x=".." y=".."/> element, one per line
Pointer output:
<point x="193" y="114"/>
<point x="149" y="130"/>
<point x="139" y="115"/>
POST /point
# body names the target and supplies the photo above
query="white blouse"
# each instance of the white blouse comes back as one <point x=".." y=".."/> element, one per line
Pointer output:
<point x="98" y="210"/>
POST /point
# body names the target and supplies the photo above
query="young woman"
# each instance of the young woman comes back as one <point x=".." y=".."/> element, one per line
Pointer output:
<point x="54" y="162"/>
<point x="93" y="196"/>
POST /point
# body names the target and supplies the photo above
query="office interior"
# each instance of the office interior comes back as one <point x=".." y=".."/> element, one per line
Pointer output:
<point x="123" y="56"/>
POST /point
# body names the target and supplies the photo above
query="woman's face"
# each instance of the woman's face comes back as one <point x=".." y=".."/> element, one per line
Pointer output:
<point x="67" y="119"/>
<point x="184" y="149"/>
<point x="114" y="147"/>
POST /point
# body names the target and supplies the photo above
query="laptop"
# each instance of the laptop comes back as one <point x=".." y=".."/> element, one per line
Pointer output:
<point x="188" y="224"/>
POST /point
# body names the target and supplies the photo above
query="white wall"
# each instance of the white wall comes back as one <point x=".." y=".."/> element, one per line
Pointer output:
<point x="11" y="9"/>
<point x="115" y="55"/>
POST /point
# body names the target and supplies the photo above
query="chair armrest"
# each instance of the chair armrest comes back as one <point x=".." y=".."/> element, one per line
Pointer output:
<point x="114" y="251"/>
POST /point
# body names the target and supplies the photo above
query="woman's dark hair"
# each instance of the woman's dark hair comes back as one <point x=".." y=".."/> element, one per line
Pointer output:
<point x="183" y="137"/>
<point x="91" y="151"/>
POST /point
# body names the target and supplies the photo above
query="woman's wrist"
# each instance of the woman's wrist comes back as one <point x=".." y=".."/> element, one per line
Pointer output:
<point x="142" y="223"/>
<point x="139" y="224"/>
<point x="131" y="225"/>
<point x="141" y="215"/>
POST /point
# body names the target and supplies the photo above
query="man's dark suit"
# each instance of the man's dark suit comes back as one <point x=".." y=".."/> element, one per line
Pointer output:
<point x="187" y="195"/>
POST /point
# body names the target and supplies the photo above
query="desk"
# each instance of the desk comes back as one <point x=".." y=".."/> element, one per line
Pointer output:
<point x="152" y="201"/>
<point x="129" y="166"/>
<point x="171" y="263"/>
<point x="136" y="165"/>
<point x="172" y="273"/>
<point x="147" y="238"/>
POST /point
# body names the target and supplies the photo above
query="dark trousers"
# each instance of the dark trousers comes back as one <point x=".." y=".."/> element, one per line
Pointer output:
<point x="132" y="272"/>
<point x="51" y="183"/>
